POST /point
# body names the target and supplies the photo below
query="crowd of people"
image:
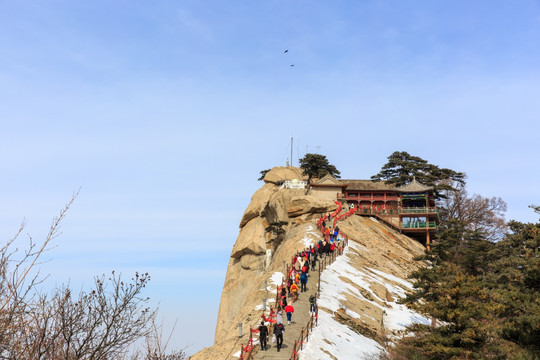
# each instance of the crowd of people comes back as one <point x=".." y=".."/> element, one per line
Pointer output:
<point x="272" y="326"/>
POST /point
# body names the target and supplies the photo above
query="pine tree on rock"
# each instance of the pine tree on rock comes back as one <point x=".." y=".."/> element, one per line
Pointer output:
<point x="316" y="165"/>
<point x="402" y="168"/>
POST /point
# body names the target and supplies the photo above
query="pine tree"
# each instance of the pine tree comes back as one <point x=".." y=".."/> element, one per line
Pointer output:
<point x="485" y="295"/>
<point x="316" y="165"/>
<point x="402" y="167"/>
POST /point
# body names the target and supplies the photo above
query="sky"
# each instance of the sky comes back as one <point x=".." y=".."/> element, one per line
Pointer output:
<point x="162" y="114"/>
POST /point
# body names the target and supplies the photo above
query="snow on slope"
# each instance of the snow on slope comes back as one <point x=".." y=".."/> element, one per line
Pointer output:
<point x="333" y="340"/>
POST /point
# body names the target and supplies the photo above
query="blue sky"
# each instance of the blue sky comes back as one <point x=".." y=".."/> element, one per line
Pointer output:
<point x="163" y="114"/>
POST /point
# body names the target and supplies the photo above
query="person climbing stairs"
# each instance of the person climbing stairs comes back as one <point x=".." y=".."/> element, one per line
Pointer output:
<point x="299" y="320"/>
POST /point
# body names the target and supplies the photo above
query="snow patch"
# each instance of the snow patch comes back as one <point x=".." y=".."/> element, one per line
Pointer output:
<point x="277" y="278"/>
<point x="392" y="278"/>
<point x="331" y="337"/>
<point x="310" y="237"/>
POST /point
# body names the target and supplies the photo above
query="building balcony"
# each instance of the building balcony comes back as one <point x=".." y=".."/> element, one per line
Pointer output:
<point x="417" y="210"/>
<point x="420" y="225"/>
<point x="370" y="211"/>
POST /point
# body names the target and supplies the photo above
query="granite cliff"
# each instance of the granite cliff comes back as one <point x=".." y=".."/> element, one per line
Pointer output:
<point x="356" y="292"/>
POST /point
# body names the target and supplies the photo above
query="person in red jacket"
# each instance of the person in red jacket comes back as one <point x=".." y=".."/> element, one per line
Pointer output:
<point x="289" y="310"/>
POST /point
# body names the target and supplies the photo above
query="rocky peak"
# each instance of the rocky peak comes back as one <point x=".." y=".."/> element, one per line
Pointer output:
<point x="257" y="255"/>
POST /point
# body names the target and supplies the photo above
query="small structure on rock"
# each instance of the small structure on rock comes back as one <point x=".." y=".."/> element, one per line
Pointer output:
<point x="410" y="208"/>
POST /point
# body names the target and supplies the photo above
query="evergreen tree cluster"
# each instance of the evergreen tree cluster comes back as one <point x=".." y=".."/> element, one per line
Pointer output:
<point x="484" y="295"/>
<point x="481" y="285"/>
<point x="402" y="168"/>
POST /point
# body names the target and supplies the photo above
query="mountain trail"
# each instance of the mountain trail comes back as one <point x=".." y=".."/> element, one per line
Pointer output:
<point x="300" y="319"/>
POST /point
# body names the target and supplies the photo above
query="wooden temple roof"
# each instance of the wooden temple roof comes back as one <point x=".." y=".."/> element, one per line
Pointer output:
<point x="369" y="185"/>
<point x="414" y="187"/>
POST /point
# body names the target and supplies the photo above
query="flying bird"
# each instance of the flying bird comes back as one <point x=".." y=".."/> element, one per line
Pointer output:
<point x="292" y="65"/>
<point x="286" y="51"/>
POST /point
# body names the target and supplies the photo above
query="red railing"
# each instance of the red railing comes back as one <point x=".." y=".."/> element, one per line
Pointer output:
<point x="304" y="334"/>
<point x="323" y="263"/>
<point x="246" y="351"/>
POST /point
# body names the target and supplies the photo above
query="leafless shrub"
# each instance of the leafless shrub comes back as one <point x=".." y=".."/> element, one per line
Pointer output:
<point x="477" y="213"/>
<point x="100" y="324"/>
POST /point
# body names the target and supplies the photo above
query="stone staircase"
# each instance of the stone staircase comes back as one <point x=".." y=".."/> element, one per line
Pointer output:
<point x="300" y="318"/>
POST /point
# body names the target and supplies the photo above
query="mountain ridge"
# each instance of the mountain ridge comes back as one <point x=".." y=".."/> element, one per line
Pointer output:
<point x="256" y="256"/>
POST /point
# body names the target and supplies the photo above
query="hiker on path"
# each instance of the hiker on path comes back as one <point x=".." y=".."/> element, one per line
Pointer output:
<point x="294" y="291"/>
<point x="279" y="315"/>
<point x="289" y="310"/>
<point x="327" y="248"/>
<point x="263" y="335"/>
<point x="303" y="282"/>
<point x="322" y="250"/>
<point x="314" y="258"/>
<point x="289" y="284"/>
<point x="283" y="296"/>
<point x="305" y="268"/>
<point x="278" y="331"/>
<point x="312" y="301"/>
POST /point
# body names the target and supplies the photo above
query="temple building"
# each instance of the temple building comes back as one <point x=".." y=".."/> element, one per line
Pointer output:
<point x="409" y="209"/>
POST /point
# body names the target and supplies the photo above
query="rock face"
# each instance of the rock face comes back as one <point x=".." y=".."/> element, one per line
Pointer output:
<point x="276" y="208"/>
<point x="259" y="200"/>
<point x="251" y="240"/>
<point x="257" y="256"/>
<point x="248" y="261"/>
<point x="279" y="174"/>
<point x="301" y="205"/>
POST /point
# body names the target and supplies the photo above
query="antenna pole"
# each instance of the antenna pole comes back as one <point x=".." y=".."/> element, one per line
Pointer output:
<point x="291" y="151"/>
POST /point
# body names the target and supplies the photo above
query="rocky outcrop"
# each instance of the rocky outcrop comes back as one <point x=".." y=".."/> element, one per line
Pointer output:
<point x="258" y="203"/>
<point x="276" y="209"/>
<point x="279" y="174"/>
<point x="252" y="251"/>
<point x="251" y="240"/>
<point x="374" y="249"/>
<point x="309" y="204"/>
